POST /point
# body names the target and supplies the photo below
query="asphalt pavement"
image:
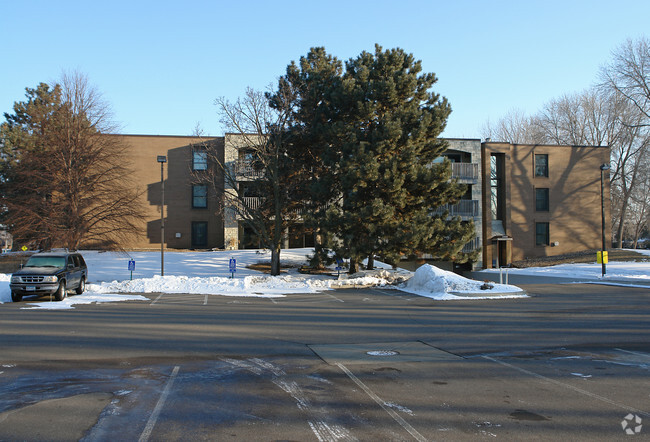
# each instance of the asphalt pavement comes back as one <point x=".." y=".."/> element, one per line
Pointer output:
<point x="568" y="362"/>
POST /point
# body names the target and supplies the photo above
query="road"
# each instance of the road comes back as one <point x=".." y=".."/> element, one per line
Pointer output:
<point x="569" y="362"/>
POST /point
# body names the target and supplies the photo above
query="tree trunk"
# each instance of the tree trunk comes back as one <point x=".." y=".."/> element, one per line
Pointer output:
<point x="371" y="263"/>
<point x="275" y="260"/>
<point x="354" y="266"/>
<point x="621" y="225"/>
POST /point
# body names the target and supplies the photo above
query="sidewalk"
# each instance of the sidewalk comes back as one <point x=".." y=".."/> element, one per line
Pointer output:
<point x="541" y="276"/>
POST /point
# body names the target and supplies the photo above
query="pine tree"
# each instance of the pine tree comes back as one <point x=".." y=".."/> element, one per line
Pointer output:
<point x="390" y="183"/>
<point x="370" y="137"/>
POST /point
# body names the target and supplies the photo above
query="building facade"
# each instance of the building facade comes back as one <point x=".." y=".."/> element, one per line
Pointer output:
<point x="526" y="201"/>
<point x="192" y="210"/>
<point x="542" y="201"/>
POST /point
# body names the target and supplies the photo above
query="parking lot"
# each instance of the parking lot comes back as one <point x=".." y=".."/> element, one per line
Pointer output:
<point x="570" y="361"/>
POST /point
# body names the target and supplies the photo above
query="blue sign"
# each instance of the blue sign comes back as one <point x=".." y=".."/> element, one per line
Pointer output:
<point x="233" y="265"/>
<point x="131" y="265"/>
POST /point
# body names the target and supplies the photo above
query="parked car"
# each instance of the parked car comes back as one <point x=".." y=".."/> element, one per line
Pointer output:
<point x="50" y="273"/>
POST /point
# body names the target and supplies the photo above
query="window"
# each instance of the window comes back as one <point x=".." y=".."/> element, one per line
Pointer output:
<point x="199" y="160"/>
<point x="541" y="200"/>
<point x="541" y="165"/>
<point x="199" y="234"/>
<point x="200" y="196"/>
<point x="542" y="234"/>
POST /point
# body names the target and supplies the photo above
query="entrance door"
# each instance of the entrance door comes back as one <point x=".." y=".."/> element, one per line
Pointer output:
<point x="199" y="234"/>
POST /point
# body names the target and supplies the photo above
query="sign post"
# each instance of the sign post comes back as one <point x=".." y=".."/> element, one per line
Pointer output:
<point x="233" y="267"/>
<point x="131" y="267"/>
<point x="339" y="267"/>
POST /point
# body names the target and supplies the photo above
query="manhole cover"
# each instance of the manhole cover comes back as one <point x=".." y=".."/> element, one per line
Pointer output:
<point x="382" y="353"/>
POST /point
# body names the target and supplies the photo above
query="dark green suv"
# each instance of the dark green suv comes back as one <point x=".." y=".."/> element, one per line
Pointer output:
<point x="50" y="273"/>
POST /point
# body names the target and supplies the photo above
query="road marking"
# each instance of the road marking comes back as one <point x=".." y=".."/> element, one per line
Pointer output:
<point x="569" y="386"/>
<point x="636" y="353"/>
<point x="332" y="296"/>
<point x="382" y="404"/>
<point x="156" y="411"/>
<point x="205" y="301"/>
<point x="399" y="294"/>
<point x="156" y="300"/>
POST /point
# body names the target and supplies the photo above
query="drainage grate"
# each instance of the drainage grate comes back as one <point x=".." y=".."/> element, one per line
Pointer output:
<point x="382" y="353"/>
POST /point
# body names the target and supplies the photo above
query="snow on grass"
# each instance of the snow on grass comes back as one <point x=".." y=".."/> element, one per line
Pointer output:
<point x="208" y="273"/>
<point x="629" y="271"/>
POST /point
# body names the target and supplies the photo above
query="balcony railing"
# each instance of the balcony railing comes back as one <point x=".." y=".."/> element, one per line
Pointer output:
<point x="245" y="169"/>
<point x="464" y="209"/>
<point x="474" y="244"/>
<point x="465" y="172"/>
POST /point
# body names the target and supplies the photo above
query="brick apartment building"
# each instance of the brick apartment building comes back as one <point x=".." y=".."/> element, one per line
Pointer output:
<point x="525" y="201"/>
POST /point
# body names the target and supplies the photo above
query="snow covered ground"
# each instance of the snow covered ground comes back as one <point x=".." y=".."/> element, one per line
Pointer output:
<point x="208" y="273"/>
<point x="617" y="271"/>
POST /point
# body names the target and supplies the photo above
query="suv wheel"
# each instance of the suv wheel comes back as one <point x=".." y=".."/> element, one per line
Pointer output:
<point x="15" y="297"/>
<point x="82" y="287"/>
<point x="60" y="293"/>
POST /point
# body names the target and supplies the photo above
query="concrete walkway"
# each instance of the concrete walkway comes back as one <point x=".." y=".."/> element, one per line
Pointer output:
<point x="517" y="278"/>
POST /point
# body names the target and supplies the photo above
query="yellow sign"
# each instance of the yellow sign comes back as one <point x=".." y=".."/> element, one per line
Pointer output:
<point x="24" y="248"/>
<point x="602" y="257"/>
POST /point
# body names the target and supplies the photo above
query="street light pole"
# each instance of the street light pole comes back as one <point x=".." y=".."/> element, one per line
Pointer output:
<point x="603" y="248"/>
<point x="162" y="159"/>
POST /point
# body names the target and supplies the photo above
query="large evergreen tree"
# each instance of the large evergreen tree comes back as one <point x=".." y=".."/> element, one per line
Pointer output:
<point x="376" y="128"/>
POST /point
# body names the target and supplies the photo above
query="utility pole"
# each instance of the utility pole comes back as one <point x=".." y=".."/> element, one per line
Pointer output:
<point x="162" y="159"/>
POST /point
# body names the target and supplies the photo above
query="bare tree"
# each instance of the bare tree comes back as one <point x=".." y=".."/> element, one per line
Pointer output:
<point x="515" y="127"/>
<point x="259" y="187"/>
<point x="629" y="73"/>
<point x="65" y="183"/>
<point x="639" y="205"/>
<point x="600" y="116"/>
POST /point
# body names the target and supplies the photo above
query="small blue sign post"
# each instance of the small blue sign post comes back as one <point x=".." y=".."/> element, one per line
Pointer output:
<point x="339" y="266"/>
<point x="131" y="267"/>
<point x="233" y="267"/>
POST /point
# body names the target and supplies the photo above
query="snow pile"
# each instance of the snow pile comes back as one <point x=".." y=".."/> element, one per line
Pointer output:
<point x="256" y="286"/>
<point x="439" y="284"/>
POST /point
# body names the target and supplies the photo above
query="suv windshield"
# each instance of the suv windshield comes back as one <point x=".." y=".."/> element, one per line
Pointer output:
<point x="46" y="261"/>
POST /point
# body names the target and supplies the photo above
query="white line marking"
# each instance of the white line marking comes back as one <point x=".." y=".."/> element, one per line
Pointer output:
<point x="563" y="385"/>
<point x="332" y="296"/>
<point x="633" y="353"/>
<point x="382" y="404"/>
<point x="156" y="411"/>
<point x="205" y="301"/>
<point x="156" y="300"/>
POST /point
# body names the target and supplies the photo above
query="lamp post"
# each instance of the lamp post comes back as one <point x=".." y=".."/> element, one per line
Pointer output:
<point x="162" y="159"/>
<point x="603" y="248"/>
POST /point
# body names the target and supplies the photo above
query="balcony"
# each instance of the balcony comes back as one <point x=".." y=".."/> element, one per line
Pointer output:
<point x="473" y="245"/>
<point x="466" y="209"/>
<point x="245" y="169"/>
<point x="254" y="203"/>
<point x="466" y="173"/>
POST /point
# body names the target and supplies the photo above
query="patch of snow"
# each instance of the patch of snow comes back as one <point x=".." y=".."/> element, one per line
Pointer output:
<point x="86" y="298"/>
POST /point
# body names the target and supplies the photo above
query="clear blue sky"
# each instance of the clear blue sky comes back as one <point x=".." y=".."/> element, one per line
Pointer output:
<point x="160" y="64"/>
